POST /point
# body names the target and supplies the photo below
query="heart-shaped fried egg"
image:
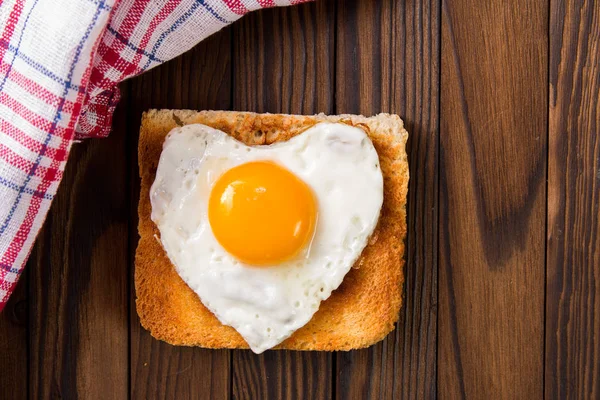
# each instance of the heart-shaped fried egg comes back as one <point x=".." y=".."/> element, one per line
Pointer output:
<point x="263" y="234"/>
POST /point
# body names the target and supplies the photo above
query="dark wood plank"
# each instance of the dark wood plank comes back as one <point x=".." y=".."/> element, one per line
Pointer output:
<point x="573" y="271"/>
<point x="13" y="342"/>
<point x="492" y="198"/>
<point x="78" y="292"/>
<point x="283" y="62"/>
<point x="199" y="79"/>
<point x="388" y="61"/>
<point x="280" y="374"/>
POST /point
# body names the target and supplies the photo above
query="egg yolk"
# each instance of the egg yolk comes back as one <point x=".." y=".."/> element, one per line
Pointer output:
<point x="261" y="213"/>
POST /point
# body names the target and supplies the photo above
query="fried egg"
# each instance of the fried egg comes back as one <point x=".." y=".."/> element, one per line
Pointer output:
<point x="263" y="234"/>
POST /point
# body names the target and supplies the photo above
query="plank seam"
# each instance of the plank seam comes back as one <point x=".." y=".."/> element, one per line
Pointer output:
<point x="548" y="55"/>
<point x="130" y="147"/>
<point x="437" y="170"/>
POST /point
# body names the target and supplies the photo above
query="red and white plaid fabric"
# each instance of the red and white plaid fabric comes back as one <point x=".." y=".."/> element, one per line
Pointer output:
<point x="60" y="62"/>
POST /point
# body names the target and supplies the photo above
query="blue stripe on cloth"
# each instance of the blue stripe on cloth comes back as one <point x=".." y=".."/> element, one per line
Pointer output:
<point x="10" y="268"/>
<point x="16" y="52"/>
<point x="15" y="187"/>
<point x="180" y="21"/>
<point x="214" y="13"/>
<point x="100" y="3"/>
<point x="37" y="66"/>
<point x="56" y="117"/>
<point x="133" y="47"/>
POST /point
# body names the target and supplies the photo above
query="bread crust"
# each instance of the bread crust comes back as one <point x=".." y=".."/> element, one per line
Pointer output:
<point x="361" y="312"/>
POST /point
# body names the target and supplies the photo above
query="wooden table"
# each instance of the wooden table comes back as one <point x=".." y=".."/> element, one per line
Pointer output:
<point x="502" y="294"/>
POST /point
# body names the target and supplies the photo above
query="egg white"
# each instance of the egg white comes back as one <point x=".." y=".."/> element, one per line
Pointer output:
<point x="266" y="305"/>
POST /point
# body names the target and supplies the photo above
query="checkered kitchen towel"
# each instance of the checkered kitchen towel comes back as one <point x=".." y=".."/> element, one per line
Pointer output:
<point x="60" y="61"/>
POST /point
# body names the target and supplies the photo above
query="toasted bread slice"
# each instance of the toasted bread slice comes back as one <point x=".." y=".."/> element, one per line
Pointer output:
<point x="361" y="312"/>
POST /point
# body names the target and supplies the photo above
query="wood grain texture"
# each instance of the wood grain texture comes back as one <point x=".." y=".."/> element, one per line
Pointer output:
<point x="492" y="199"/>
<point x="283" y="60"/>
<point x="283" y="63"/>
<point x="78" y="293"/>
<point x="388" y="61"/>
<point x="281" y="375"/>
<point x="573" y="272"/>
<point x="13" y="343"/>
<point x="191" y="81"/>
<point x="495" y="101"/>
